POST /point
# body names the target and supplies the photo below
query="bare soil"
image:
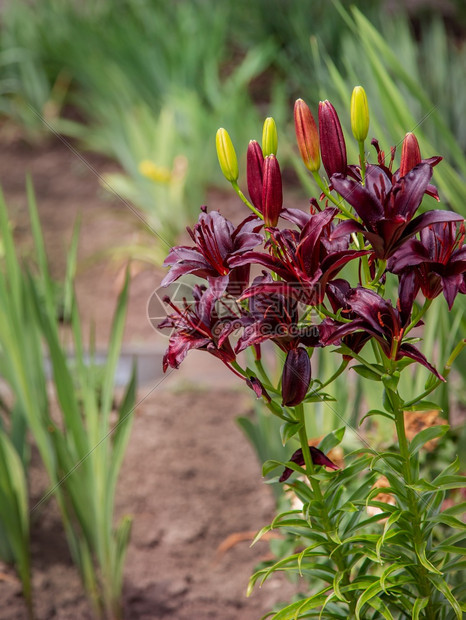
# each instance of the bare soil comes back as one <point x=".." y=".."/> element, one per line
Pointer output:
<point x="190" y="479"/>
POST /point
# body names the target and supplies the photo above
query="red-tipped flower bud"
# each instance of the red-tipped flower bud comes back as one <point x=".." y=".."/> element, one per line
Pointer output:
<point x="410" y="154"/>
<point x="307" y="135"/>
<point x="272" y="195"/>
<point x="296" y="377"/>
<point x="255" y="172"/>
<point x="332" y="142"/>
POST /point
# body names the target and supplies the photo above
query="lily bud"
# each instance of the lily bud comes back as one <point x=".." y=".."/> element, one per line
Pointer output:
<point x="410" y="154"/>
<point x="269" y="137"/>
<point x="307" y="135"/>
<point x="226" y="155"/>
<point x="272" y="194"/>
<point x="296" y="377"/>
<point x="359" y="114"/>
<point x="255" y="171"/>
<point x="332" y="142"/>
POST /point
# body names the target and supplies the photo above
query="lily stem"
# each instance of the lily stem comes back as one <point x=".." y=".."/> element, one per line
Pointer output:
<point x="315" y="485"/>
<point x="362" y="161"/>
<point x="424" y="584"/>
<point x="235" y="186"/>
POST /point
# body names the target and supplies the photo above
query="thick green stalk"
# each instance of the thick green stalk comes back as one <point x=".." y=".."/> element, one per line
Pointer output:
<point x="338" y="558"/>
<point x="424" y="583"/>
<point x="362" y="161"/>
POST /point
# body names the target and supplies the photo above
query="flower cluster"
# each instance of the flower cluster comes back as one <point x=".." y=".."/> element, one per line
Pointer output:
<point x="367" y="221"/>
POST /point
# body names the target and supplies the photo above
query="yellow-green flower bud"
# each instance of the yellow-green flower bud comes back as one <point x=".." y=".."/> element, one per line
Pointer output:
<point x="226" y="155"/>
<point x="359" y="114"/>
<point x="269" y="137"/>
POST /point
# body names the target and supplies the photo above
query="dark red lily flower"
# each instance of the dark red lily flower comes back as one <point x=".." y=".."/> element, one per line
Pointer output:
<point x="435" y="264"/>
<point x="275" y="317"/>
<point x="387" y="207"/>
<point x="317" y="456"/>
<point x="305" y="260"/>
<point x="378" y="318"/>
<point x="197" y="326"/>
<point x="217" y="241"/>
<point x="337" y="290"/>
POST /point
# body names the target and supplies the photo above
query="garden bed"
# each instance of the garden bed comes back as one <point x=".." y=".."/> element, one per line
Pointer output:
<point x="189" y="477"/>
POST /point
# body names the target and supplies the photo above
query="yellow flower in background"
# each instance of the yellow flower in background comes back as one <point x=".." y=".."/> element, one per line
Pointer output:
<point x="159" y="174"/>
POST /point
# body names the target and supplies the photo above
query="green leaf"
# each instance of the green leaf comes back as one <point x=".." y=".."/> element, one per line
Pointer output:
<point x="121" y="540"/>
<point x="380" y="606"/>
<point x="367" y="373"/>
<point x="449" y="520"/>
<point x="442" y="587"/>
<point x="373" y="412"/>
<point x="421" y="554"/>
<point x="121" y="433"/>
<point x="456" y="509"/>
<point x="424" y="405"/>
<point x="418" y="606"/>
<point x="393" y="518"/>
<point x="451" y="549"/>
<point x="369" y="593"/>
<point x="450" y="482"/>
<point x="290" y="612"/>
<point x="272" y="464"/>
<point x="386" y="402"/>
<point x="426" y="435"/>
<point x="332" y="440"/>
<point x="423" y="486"/>
<point x="113" y="352"/>
<point x="289" y="430"/>
<point x="14" y="514"/>
<point x="336" y="586"/>
<point x="260" y="533"/>
<point x="456" y="565"/>
<point x="391" y="385"/>
<point x="388" y="571"/>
